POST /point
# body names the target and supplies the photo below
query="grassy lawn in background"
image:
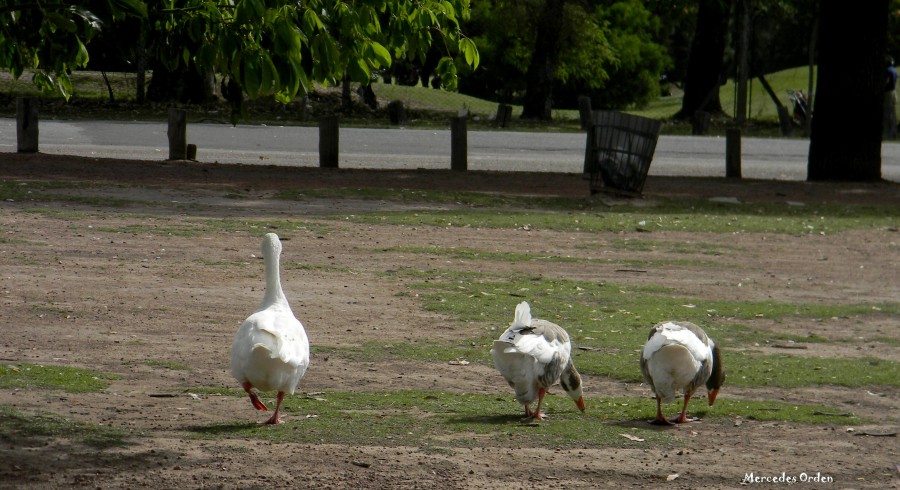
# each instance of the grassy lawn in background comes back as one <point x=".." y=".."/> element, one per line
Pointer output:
<point x="428" y="107"/>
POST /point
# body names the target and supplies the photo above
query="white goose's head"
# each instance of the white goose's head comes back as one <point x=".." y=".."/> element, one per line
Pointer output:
<point x="571" y="384"/>
<point x="271" y="245"/>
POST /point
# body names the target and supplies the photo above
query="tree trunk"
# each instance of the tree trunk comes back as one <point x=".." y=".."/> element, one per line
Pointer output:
<point x="185" y="85"/>
<point x="538" y="99"/>
<point x="845" y="143"/>
<point x="704" y="70"/>
<point x="140" y="65"/>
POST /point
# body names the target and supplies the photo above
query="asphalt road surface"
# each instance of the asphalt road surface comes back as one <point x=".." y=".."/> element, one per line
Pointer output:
<point x="762" y="158"/>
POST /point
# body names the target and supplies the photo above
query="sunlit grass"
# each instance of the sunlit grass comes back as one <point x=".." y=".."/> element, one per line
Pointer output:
<point x="164" y="364"/>
<point x="439" y="419"/>
<point x="39" y="376"/>
<point x="649" y="219"/>
<point x="609" y="324"/>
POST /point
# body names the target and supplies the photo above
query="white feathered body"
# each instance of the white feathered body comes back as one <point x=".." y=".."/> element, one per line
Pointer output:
<point x="678" y="356"/>
<point x="531" y="354"/>
<point x="271" y="349"/>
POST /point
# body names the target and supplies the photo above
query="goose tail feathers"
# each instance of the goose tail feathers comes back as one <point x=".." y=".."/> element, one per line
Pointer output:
<point x="523" y="315"/>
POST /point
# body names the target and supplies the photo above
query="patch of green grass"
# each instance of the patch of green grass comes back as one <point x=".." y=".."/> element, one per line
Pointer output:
<point x="591" y="305"/>
<point x="20" y="429"/>
<point x="464" y="253"/>
<point x="646" y="245"/>
<point x="668" y="215"/>
<point x="294" y="266"/>
<point x="746" y="369"/>
<point x="475" y="254"/>
<point x="196" y="227"/>
<point x="223" y="263"/>
<point x="172" y="365"/>
<point x="69" y="379"/>
<point x="433" y="419"/>
<point x="446" y="420"/>
<point x="609" y="324"/>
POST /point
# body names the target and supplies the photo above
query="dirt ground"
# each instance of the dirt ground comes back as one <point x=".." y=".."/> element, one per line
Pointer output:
<point x="75" y="296"/>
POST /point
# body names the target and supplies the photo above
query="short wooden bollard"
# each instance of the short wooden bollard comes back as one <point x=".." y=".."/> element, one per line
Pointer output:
<point x="27" y="124"/>
<point x="504" y="115"/>
<point x="733" y="153"/>
<point x="329" y="141"/>
<point x="459" y="146"/>
<point x="177" y="133"/>
<point x="191" y="152"/>
<point x="397" y="113"/>
<point x="700" y="123"/>
<point x="585" y="114"/>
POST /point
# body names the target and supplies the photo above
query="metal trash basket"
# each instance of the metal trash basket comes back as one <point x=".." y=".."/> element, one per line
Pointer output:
<point x="620" y="148"/>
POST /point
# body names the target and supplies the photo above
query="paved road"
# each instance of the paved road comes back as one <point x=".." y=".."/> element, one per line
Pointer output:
<point x="763" y="158"/>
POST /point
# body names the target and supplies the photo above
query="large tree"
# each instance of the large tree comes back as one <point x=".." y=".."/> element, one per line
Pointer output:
<point x="540" y="76"/>
<point x="845" y="143"/>
<point x="281" y="47"/>
<point x="259" y="47"/>
<point x="538" y="57"/>
<point x="706" y="59"/>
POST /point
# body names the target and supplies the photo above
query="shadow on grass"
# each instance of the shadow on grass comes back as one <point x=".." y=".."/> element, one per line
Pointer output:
<point x="226" y="429"/>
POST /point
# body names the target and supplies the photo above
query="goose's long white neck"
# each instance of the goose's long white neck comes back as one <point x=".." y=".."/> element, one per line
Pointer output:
<point x="271" y="250"/>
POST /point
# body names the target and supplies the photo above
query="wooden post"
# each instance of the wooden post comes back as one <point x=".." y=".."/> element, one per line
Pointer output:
<point x="733" y="153"/>
<point x="397" y="113"/>
<point x="584" y="112"/>
<point x="504" y="115"/>
<point x="700" y="123"/>
<point x="177" y="133"/>
<point x="742" y="59"/>
<point x="459" y="146"/>
<point x="329" y="141"/>
<point x="191" y="152"/>
<point x="27" y="124"/>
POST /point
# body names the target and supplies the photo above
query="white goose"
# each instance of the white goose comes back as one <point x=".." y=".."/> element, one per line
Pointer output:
<point x="532" y="355"/>
<point x="270" y="350"/>
<point x="679" y="356"/>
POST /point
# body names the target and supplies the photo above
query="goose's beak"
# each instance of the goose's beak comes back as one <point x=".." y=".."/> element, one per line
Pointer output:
<point x="712" y="396"/>
<point x="580" y="403"/>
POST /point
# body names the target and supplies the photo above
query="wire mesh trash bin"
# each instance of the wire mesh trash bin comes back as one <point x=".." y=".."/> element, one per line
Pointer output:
<point x="620" y="148"/>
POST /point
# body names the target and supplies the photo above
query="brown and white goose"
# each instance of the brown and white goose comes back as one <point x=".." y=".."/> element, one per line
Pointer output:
<point x="270" y="351"/>
<point x="679" y="356"/>
<point x="533" y="355"/>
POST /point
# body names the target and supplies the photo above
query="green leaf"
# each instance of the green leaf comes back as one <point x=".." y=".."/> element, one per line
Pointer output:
<point x="130" y="7"/>
<point x="287" y="38"/>
<point x="252" y="75"/>
<point x="61" y="22"/>
<point x="446" y="70"/>
<point x="206" y="56"/>
<point x="312" y="22"/>
<point x="379" y="53"/>
<point x="82" y="57"/>
<point x="470" y="51"/>
<point x="358" y="71"/>
<point x="93" y="22"/>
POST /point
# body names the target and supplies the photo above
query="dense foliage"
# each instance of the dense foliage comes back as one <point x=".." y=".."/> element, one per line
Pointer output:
<point x="258" y="47"/>
<point x="51" y="38"/>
